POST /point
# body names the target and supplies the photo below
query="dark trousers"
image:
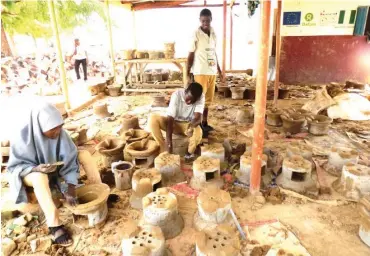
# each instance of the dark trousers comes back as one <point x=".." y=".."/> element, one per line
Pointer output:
<point x="84" y="67"/>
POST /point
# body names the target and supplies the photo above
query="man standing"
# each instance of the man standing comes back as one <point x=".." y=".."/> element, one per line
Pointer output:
<point x="203" y="63"/>
<point x="184" y="116"/>
<point x="80" y="57"/>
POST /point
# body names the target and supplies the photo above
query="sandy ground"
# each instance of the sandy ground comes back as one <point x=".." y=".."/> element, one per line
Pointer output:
<point x="323" y="230"/>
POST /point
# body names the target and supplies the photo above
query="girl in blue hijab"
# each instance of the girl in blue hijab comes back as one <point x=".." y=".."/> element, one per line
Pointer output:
<point x="42" y="154"/>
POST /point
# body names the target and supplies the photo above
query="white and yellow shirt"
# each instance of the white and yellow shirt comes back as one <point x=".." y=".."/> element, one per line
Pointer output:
<point x="204" y="47"/>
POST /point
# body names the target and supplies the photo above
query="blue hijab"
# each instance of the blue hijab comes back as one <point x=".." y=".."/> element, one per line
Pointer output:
<point x="30" y="147"/>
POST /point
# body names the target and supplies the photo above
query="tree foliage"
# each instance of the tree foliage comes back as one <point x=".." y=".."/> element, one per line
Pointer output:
<point x="31" y="17"/>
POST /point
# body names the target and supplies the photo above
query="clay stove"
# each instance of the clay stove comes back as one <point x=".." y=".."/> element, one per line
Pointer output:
<point x="129" y="122"/>
<point x="215" y="150"/>
<point x="123" y="172"/>
<point x="101" y="110"/>
<point x="144" y="240"/>
<point x="296" y="174"/>
<point x="142" y="153"/>
<point x="354" y="182"/>
<point x="273" y="117"/>
<point x="144" y="182"/>
<point x="92" y="201"/>
<point x="214" y="205"/>
<point x="133" y="135"/>
<point x="222" y="240"/>
<point x="170" y="168"/>
<point x="243" y="174"/>
<point x="338" y="157"/>
<point x="319" y="124"/>
<point x="160" y="209"/>
<point x="299" y="148"/>
<point x="111" y="150"/>
<point x="206" y="171"/>
<point x="364" y="232"/>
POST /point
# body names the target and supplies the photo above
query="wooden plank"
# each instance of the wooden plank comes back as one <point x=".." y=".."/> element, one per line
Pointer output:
<point x="179" y="60"/>
<point x="150" y="90"/>
<point x="157" y="5"/>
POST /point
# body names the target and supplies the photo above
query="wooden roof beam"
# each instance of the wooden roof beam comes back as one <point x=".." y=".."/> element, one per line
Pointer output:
<point x="158" y="5"/>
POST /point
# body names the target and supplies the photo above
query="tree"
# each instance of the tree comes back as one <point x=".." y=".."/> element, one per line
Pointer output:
<point x="32" y="17"/>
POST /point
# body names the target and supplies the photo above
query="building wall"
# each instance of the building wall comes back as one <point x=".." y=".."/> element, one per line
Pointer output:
<point x="323" y="59"/>
<point x="318" y="45"/>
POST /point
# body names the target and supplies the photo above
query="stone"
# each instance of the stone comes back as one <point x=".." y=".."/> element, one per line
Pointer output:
<point x="21" y="238"/>
<point x="31" y="237"/>
<point x="41" y="244"/>
<point x="7" y="246"/>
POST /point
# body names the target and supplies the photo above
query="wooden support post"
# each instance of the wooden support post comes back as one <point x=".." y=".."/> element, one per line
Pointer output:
<point x="231" y="38"/>
<point x="224" y="41"/>
<point x="110" y="38"/>
<point x="277" y="58"/>
<point x="261" y="93"/>
<point x="59" y="52"/>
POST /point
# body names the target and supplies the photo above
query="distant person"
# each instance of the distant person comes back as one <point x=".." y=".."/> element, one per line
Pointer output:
<point x="80" y="57"/>
<point x="203" y="63"/>
<point x="184" y="115"/>
<point x="37" y="147"/>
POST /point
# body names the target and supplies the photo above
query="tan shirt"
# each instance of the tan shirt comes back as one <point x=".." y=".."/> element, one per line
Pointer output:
<point x="204" y="48"/>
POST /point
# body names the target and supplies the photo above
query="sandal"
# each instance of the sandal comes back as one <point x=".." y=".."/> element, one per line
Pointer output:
<point x="61" y="236"/>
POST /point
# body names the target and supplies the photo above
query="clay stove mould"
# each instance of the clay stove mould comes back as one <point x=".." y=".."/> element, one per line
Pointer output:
<point x="222" y="240"/>
<point x="129" y="122"/>
<point x="101" y="110"/>
<point x="293" y="123"/>
<point x="114" y="90"/>
<point x="90" y="197"/>
<point x="319" y="124"/>
<point x="159" y="101"/>
<point x="142" y="148"/>
<point x="111" y="146"/>
<point x="213" y="198"/>
<point x="133" y="135"/>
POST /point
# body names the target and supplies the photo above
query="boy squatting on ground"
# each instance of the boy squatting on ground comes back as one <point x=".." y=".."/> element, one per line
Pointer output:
<point x="184" y="115"/>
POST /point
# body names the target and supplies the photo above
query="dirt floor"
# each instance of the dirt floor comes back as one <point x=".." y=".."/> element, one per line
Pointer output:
<point x="322" y="229"/>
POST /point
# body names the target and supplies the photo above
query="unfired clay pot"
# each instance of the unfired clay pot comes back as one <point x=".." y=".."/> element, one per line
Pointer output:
<point x="273" y="117"/>
<point x="237" y="93"/>
<point x="129" y="122"/>
<point x="111" y="149"/>
<point x="319" y="125"/>
<point x="293" y="123"/>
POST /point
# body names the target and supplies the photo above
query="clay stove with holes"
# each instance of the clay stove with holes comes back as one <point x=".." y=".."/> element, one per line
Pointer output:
<point x="296" y="174"/>
<point x="142" y="153"/>
<point x="299" y="148"/>
<point x="364" y="207"/>
<point x="92" y="202"/>
<point x="354" y="182"/>
<point x="169" y="166"/>
<point x="160" y="209"/>
<point x="144" y="182"/>
<point x="338" y="157"/>
<point x="214" y="205"/>
<point x="222" y="240"/>
<point x="243" y="174"/>
<point x="144" y="240"/>
<point x="215" y="150"/>
<point x="206" y="171"/>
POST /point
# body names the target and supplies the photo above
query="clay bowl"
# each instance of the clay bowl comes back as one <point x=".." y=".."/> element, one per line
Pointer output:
<point x="293" y="123"/>
<point x="157" y="77"/>
<point x="273" y="117"/>
<point x="319" y="125"/>
<point x="133" y="135"/>
<point x="114" y="90"/>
